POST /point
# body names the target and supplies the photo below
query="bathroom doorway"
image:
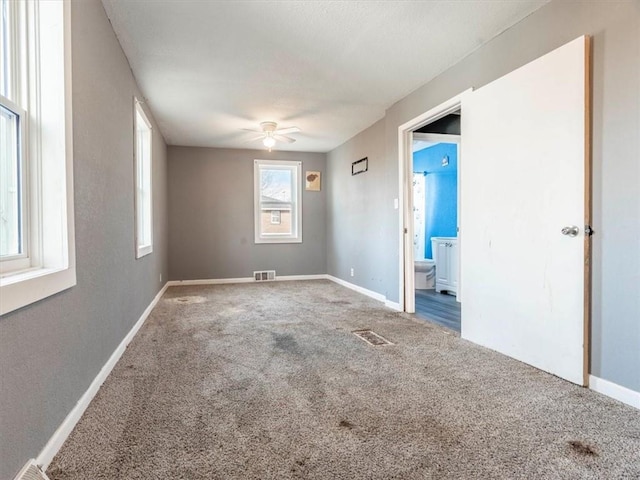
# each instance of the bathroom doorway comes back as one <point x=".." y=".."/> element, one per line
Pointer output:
<point x="434" y="162"/>
<point x="425" y="122"/>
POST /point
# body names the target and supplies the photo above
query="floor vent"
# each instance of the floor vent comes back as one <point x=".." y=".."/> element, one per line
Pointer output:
<point x="372" y="338"/>
<point x="31" y="471"/>
<point x="264" y="276"/>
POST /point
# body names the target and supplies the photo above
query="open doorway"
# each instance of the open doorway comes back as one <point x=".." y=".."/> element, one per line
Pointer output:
<point x="429" y="148"/>
<point x="435" y="160"/>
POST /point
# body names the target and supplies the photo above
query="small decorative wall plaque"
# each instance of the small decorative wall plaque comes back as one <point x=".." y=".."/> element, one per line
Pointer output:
<point x="312" y="181"/>
<point x="360" y="166"/>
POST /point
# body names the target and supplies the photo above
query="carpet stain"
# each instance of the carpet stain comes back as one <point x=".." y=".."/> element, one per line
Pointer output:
<point x="582" y="448"/>
<point x="286" y="343"/>
<point x="298" y="468"/>
<point x="187" y="299"/>
<point x="346" y="424"/>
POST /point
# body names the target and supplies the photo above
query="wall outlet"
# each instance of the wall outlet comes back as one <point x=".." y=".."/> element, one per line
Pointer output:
<point x="352" y="272"/>
<point x="160" y="277"/>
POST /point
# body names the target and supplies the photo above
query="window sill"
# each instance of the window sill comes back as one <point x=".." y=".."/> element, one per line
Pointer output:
<point x="277" y="240"/>
<point x="144" y="251"/>
<point x="27" y="287"/>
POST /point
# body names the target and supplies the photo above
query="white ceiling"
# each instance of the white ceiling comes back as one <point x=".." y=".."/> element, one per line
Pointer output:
<point x="208" y="69"/>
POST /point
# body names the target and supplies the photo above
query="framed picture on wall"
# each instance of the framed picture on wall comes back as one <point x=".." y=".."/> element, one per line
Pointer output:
<point x="312" y="181"/>
<point x="360" y="166"/>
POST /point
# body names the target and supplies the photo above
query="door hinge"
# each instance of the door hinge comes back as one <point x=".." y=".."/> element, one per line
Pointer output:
<point x="406" y="231"/>
<point x="588" y="231"/>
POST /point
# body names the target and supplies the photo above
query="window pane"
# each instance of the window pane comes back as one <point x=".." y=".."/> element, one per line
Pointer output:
<point x="276" y="183"/>
<point x="276" y="192"/>
<point x="143" y="183"/>
<point x="10" y="195"/>
<point x="278" y="224"/>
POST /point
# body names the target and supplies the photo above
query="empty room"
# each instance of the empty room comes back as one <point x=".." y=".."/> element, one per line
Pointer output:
<point x="319" y="239"/>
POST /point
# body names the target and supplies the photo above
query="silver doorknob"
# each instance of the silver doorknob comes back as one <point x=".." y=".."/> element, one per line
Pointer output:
<point x="571" y="231"/>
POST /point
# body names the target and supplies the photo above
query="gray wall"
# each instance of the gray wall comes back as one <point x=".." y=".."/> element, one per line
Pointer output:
<point x="211" y="216"/>
<point x="51" y="351"/>
<point x="616" y="186"/>
<point x="360" y="230"/>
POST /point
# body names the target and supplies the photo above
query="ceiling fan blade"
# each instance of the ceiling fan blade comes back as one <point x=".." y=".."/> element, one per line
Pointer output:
<point x="282" y="138"/>
<point x="284" y="131"/>
<point x="255" y="138"/>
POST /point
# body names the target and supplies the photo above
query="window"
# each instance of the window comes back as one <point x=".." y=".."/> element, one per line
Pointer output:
<point x="277" y="201"/>
<point x="37" y="253"/>
<point x="143" y="198"/>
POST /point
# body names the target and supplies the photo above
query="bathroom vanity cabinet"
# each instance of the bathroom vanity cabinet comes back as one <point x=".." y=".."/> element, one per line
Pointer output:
<point x="445" y="254"/>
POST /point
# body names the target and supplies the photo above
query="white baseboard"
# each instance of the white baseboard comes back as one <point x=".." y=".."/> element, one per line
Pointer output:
<point x="287" y="278"/>
<point x="221" y="281"/>
<point x="364" y="291"/>
<point x="58" y="438"/>
<point x="615" y="391"/>
<point x="393" y="305"/>
<point x="210" y="281"/>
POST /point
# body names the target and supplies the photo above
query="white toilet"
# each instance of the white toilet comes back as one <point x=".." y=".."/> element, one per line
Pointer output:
<point x="425" y="274"/>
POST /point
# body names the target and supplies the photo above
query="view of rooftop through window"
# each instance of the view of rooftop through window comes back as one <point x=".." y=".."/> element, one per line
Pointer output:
<point x="276" y="184"/>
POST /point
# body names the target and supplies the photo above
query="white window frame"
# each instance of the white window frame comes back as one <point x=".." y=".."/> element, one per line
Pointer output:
<point x="296" y="205"/>
<point x="41" y="79"/>
<point x="143" y="181"/>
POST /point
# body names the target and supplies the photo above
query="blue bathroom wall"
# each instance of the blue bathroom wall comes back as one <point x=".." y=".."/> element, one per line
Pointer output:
<point x="441" y="191"/>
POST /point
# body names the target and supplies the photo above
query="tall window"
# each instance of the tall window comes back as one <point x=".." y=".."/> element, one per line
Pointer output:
<point x="143" y="198"/>
<point x="277" y="201"/>
<point x="37" y="256"/>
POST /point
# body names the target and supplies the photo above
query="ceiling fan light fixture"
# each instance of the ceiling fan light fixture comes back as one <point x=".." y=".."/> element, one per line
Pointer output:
<point x="269" y="142"/>
<point x="270" y="134"/>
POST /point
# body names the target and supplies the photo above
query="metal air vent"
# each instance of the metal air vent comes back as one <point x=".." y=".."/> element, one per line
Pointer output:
<point x="264" y="276"/>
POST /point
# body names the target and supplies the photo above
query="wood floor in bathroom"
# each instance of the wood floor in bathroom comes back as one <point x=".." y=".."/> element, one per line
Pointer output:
<point x="439" y="308"/>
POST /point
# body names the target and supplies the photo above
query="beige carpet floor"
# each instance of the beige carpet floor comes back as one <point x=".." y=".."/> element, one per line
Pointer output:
<point x="266" y="381"/>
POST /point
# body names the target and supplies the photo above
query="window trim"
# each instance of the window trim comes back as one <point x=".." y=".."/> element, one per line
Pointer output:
<point x="296" y="204"/>
<point x="50" y="150"/>
<point x="146" y="248"/>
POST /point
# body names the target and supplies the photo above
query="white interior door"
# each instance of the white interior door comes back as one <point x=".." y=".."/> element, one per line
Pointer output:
<point x="525" y="143"/>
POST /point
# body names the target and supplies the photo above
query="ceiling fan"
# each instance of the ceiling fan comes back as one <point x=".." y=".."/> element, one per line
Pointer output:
<point x="270" y="134"/>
